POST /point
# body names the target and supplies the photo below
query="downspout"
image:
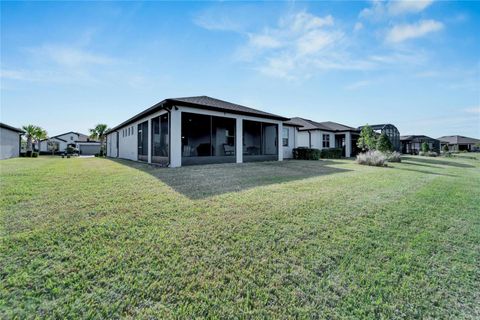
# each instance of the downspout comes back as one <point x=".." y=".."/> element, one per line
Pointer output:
<point x="309" y="139"/>
<point x="169" y="111"/>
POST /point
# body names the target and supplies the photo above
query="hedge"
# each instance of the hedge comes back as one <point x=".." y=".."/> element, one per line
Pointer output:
<point x="303" y="153"/>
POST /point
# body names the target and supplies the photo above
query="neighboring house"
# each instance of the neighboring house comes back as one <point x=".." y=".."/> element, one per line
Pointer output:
<point x="460" y="143"/>
<point x="391" y="131"/>
<point x="324" y="135"/>
<point x="413" y="144"/>
<point x="10" y="141"/>
<point x="82" y="142"/>
<point x="198" y="130"/>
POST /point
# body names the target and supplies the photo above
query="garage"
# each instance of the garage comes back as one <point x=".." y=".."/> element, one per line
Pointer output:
<point x="89" y="149"/>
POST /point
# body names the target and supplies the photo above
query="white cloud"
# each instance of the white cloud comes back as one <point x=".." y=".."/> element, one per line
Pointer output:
<point x="474" y="110"/>
<point x="358" y="26"/>
<point x="404" y="32"/>
<point x="70" y="56"/>
<point x="382" y="9"/>
<point x="408" y="6"/>
<point x="358" y="84"/>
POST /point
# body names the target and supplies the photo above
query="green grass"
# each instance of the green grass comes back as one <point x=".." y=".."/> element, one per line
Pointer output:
<point x="96" y="238"/>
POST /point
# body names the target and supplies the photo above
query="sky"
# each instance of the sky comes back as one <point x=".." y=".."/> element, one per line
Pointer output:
<point x="67" y="66"/>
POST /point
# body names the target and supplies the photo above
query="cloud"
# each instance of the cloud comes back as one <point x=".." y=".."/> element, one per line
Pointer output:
<point x="382" y="9"/>
<point x="400" y="33"/>
<point x="474" y="110"/>
<point x="72" y="57"/>
<point x="408" y="6"/>
<point x="358" y="26"/>
<point x="358" y="84"/>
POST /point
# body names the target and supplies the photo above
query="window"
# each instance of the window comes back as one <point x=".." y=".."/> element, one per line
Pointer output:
<point x="326" y="141"/>
<point x="71" y="137"/>
<point x="285" y="137"/>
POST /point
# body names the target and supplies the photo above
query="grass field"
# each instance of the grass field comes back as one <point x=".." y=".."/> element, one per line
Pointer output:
<point x="97" y="238"/>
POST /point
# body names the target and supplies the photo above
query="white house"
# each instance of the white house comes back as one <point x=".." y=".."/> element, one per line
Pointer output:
<point x="197" y="130"/>
<point x="10" y="141"/>
<point x="201" y="130"/>
<point x="323" y="135"/>
<point x="82" y="142"/>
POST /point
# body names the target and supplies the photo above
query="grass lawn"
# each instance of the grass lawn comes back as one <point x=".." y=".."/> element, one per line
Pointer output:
<point x="97" y="238"/>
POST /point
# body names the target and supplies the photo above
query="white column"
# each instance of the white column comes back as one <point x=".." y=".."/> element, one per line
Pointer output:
<point x="175" y="138"/>
<point x="280" y="141"/>
<point x="239" y="140"/>
<point x="348" y="144"/>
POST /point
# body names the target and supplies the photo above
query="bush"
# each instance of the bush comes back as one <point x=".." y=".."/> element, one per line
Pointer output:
<point x="445" y="148"/>
<point x="384" y="144"/>
<point x="34" y="154"/>
<point x="372" y="158"/>
<point x="428" y="154"/>
<point x="28" y="153"/>
<point x="425" y="147"/>
<point x="70" y="149"/>
<point x="448" y="154"/>
<point x="332" y="153"/>
<point x="393" y="156"/>
<point x="303" y="153"/>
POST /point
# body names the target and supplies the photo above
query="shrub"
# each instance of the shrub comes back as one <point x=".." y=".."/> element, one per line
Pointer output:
<point x="303" y="153"/>
<point x="384" y="144"/>
<point x="70" y="149"/>
<point x="445" y="148"/>
<point x="425" y="148"/>
<point x="372" y="158"/>
<point x="332" y="153"/>
<point x="34" y="154"/>
<point x="448" y="154"/>
<point x="428" y="154"/>
<point x="394" y="156"/>
<point x="28" y="153"/>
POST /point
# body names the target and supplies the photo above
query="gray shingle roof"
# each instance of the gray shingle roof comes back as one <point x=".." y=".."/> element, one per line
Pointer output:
<point x="313" y="125"/>
<point x="221" y="105"/>
<point x="201" y="102"/>
<point x="458" y="139"/>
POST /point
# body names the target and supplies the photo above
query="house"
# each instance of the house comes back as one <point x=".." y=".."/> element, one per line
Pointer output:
<point x="323" y="135"/>
<point x="460" y="143"/>
<point x="390" y="130"/>
<point x="412" y="144"/>
<point x="10" y="141"/>
<point x="198" y="130"/>
<point x="82" y="142"/>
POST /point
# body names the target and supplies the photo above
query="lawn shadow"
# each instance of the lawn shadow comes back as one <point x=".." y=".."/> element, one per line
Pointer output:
<point x="439" y="162"/>
<point x="203" y="181"/>
<point x="426" y="172"/>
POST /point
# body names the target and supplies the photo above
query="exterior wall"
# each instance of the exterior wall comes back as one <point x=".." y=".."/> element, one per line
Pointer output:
<point x="89" y="148"/>
<point x="288" y="150"/>
<point x="303" y="139"/>
<point x="9" y="143"/>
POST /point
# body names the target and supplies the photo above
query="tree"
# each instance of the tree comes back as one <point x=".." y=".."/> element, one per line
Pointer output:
<point x="384" y="144"/>
<point x="98" y="133"/>
<point x="445" y="148"/>
<point x="425" y="147"/>
<point x="30" y="133"/>
<point x="52" y="146"/>
<point x="367" y="140"/>
<point x="40" y="134"/>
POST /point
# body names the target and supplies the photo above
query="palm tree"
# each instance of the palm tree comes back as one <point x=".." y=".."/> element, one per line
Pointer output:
<point x="40" y="134"/>
<point x="98" y="133"/>
<point x="30" y="132"/>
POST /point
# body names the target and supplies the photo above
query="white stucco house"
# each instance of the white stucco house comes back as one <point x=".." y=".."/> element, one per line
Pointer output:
<point x="201" y="130"/>
<point x="10" y="141"/>
<point x="82" y="142"/>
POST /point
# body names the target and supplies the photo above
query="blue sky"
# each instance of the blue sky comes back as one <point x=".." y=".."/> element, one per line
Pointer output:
<point x="70" y="65"/>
